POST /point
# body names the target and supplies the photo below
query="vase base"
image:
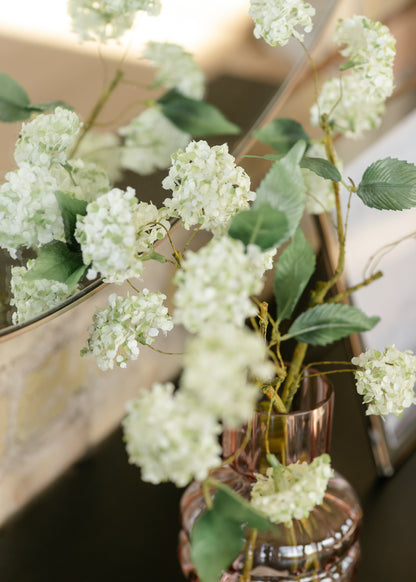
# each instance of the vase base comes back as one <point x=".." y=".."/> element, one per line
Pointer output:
<point x="330" y="556"/>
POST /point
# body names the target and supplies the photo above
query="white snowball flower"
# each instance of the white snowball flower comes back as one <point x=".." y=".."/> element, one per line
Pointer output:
<point x="207" y="187"/>
<point x="221" y="367"/>
<point x="169" y="437"/>
<point x="33" y="297"/>
<point x="351" y="110"/>
<point x="103" y="150"/>
<point x="320" y="195"/>
<point x="215" y="283"/>
<point x="84" y="181"/>
<point x="356" y="101"/>
<point x="29" y="211"/>
<point x="370" y="49"/>
<point x="386" y="380"/>
<point x="292" y="491"/>
<point x="102" y="20"/>
<point x="176" y="69"/>
<point x="114" y="231"/>
<point x="277" y="20"/>
<point x="47" y="138"/>
<point x="126" y="322"/>
<point x="150" y="140"/>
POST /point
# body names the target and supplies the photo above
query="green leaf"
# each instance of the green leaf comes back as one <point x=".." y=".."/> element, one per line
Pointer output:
<point x="264" y="226"/>
<point x="234" y="507"/>
<point x="57" y="262"/>
<point x="329" y="322"/>
<point x="218" y="535"/>
<point x="49" y="106"/>
<point x="215" y="543"/>
<point x="195" y="117"/>
<point x="14" y="100"/>
<point x="389" y="184"/>
<point x="282" y="134"/>
<point x="293" y="271"/>
<point x="283" y="187"/>
<point x="321" y="167"/>
<point x="70" y="208"/>
<point x="347" y="65"/>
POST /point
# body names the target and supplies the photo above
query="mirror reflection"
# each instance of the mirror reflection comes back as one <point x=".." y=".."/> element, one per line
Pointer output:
<point x="121" y="108"/>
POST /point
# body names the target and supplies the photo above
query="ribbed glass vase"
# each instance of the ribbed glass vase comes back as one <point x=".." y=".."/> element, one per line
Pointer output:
<point x="324" y="547"/>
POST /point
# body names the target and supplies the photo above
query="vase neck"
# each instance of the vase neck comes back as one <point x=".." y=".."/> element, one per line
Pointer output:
<point x="301" y="435"/>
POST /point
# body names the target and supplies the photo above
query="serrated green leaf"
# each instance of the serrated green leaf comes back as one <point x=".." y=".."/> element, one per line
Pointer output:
<point x="14" y="100"/>
<point x="195" y="117"/>
<point x="293" y="271"/>
<point x="389" y="184"/>
<point x="321" y="167"/>
<point x="263" y="226"/>
<point x="329" y="322"/>
<point x="70" y="208"/>
<point x="49" y="106"/>
<point x="282" y="134"/>
<point x="57" y="262"/>
<point x="217" y="537"/>
<point x="283" y="187"/>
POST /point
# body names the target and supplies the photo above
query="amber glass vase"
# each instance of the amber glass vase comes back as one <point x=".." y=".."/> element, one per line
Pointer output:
<point x="324" y="547"/>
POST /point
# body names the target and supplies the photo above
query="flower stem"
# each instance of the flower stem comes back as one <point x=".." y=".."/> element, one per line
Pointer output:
<point x="249" y="557"/>
<point x="343" y="294"/>
<point x="98" y="108"/>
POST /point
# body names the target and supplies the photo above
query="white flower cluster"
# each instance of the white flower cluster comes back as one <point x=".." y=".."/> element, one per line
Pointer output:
<point x="215" y="283"/>
<point x="355" y="101"/>
<point x="102" y="20"/>
<point x="320" y="195"/>
<point x="292" y="491"/>
<point x="386" y="380"/>
<point x="277" y="20"/>
<point x="221" y="366"/>
<point x="150" y="140"/>
<point x="84" y="181"/>
<point x="176" y="69"/>
<point x="370" y="49"/>
<point x="169" y="437"/>
<point x="29" y="212"/>
<point x="103" y="150"/>
<point x="47" y="139"/>
<point x="126" y="322"/>
<point x="33" y="297"/>
<point x="108" y="234"/>
<point x="208" y="188"/>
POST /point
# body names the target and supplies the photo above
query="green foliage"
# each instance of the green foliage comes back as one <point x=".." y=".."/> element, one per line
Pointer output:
<point x="293" y="271"/>
<point x="198" y="118"/>
<point x="283" y="187"/>
<point x="49" y="106"/>
<point x="322" y="168"/>
<point x="282" y="134"/>
<point x="264" y="226"/>
<point x="15" y="103"/>
<point x="329" y="322"/>
<point x="389" y="184"/>
<point x="57" y="262"/>
<point x="70" y="208"/>
<point x="218" y="535"/>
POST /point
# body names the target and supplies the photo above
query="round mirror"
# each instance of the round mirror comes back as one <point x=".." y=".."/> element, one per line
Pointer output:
<point x="109" y="85"/>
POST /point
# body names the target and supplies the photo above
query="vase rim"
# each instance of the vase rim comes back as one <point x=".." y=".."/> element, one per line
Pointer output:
<point x="326" y="399"/>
